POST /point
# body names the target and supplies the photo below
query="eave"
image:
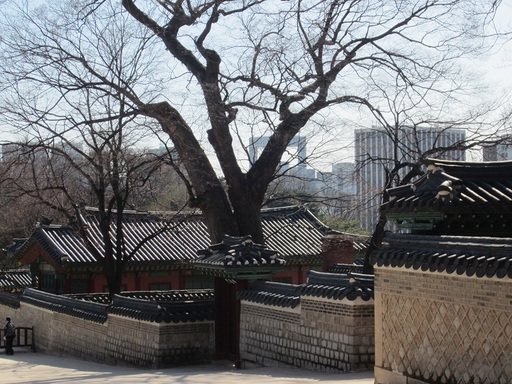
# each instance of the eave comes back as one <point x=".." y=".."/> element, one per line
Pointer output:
<point x="416" y="220"/>
<point x="239" y="273"/>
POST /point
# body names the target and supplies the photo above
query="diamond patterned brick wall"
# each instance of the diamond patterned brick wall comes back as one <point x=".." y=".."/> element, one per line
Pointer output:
<point x="447" y="339"/>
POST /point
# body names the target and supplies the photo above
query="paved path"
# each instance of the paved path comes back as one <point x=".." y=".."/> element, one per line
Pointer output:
<point x="28" y="367"/>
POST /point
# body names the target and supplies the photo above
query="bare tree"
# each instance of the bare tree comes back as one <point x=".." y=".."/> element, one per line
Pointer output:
<point x="101" y="170"/>
<point x="290" y="69"/>
<point x="283" y="61"/>
<point x="80" y="144"/>
<point x="411" y="130"/>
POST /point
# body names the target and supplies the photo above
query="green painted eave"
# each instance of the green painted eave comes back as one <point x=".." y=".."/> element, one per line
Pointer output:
<point x="416" y="220"/>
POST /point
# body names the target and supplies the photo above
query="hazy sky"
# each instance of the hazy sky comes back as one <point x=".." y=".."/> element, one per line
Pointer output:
<point x="493" y="69"/>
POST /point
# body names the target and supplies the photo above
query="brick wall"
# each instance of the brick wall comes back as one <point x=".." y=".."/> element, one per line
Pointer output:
<point x="120" y="340"/>
<point x="319" y="334"/>
<point x="440" y="328"/>
<point x="337" y="248"/>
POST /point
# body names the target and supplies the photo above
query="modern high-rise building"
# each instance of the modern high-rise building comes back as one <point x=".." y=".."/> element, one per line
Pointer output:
<point x="344" y="177"/>
<point x="257" y="144"/>
<point x="294" y="174"/>
<point x="499" y="152"/>
<point x="377" y="151"/>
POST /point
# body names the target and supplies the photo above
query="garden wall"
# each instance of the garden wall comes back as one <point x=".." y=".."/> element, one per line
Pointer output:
<point x="434" y="327"/>
<point x="325" y="325"/>
<point x="329" y="329"/>
<point x="91" y="333"/>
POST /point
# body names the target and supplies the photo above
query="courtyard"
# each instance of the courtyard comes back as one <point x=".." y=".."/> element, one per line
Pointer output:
<point x="28" y="367"/>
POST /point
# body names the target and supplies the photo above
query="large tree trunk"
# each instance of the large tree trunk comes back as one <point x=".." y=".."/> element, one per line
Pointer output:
<point x="238" y="215"/>
<point x="247" y="211"/>
<point x="209" y="194"/>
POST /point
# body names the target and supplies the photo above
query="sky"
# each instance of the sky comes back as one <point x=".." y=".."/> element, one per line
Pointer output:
<point x="493" y="69"/>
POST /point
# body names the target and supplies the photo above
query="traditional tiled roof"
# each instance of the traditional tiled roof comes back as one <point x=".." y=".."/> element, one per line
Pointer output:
<point x="160" y="306"/>
<point x="237" y="252"/>
<point x="319" y="284"/>
<point x="452" y="185"/>
<point x="235" y="257"/>
<point x="454" y="198"/>
<point x="293" y="232"/>
<point x="356" y="267"/>
<point x="463" y="255"/>
<point x="12" y="248"/>
<point x="272" y="293"/>
<point x="15" y="279"/>
<point x="95" y="312"/>
<point x="159" y="311"/>
<point x="155" y="306"/>
<point x="339" y="286"/>
<point x="158" y="296"/>
<point x="10" y="300"/>
<point x="62" y="243"/>
<point x="361" y="244"/>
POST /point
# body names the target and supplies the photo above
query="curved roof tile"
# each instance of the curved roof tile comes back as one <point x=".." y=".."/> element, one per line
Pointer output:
<point x="62" y="304"/>
<point x="174" y="306"/>
<point x="238" y="252"/>
<point x="155" y="306"/>
<point x="15" y="278"/>
<point x="320" y="284"/>
<point x="272" y="293"/>
<point x="339" y="286"/>
<point x="294" y="232"/>
<point x="10" y="300"/>
<point x="462" y="255"/>
<point x="456" y="186"/>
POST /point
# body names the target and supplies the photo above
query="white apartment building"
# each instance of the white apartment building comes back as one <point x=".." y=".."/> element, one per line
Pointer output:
<point x="376" y="152"/>
<point x="500" y="152"/>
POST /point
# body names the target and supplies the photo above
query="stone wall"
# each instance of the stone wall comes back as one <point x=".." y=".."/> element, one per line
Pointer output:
<point x="319" y="334"/>
<point x="329" y="329"/>
<point x="441" y="328"/>
<point x="159" y="345"/>
<point x="119" y="340"/>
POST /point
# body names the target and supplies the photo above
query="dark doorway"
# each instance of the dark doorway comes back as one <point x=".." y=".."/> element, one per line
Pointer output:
<point x="227" y="319"/>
